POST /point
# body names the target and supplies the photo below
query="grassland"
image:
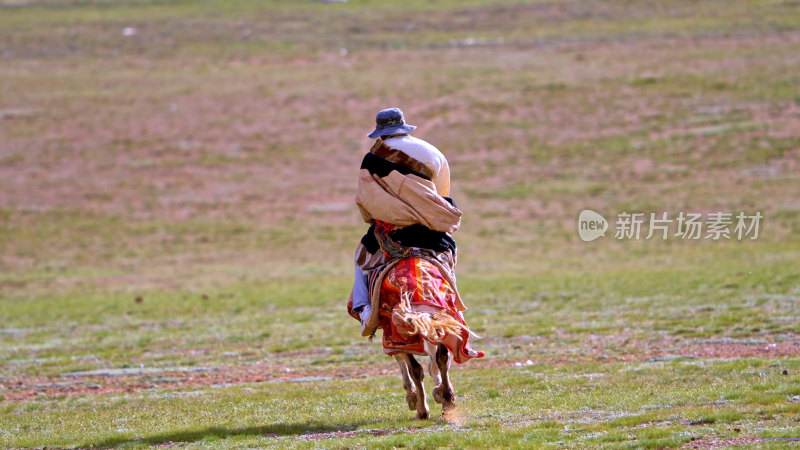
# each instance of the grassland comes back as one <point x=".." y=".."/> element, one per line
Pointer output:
<point x="176" y="220"/>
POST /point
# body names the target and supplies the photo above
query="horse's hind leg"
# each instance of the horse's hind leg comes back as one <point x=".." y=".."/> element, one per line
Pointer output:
<point x="433" y="369"/>
<point x="444" y="393"/>
<point x="417" y="375"/>
<point x="412" y="380"/>
<point x="411" y="391"/>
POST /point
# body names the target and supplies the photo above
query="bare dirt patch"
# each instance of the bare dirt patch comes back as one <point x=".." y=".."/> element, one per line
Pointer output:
<point x="347" y="434"/>
<point x="742" y="441"/>
<point x="24" y="389"/>
<point x="90" y="384"/>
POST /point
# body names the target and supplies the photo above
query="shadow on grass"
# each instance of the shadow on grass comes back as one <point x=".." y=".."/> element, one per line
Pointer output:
<point x="275" y="430"/>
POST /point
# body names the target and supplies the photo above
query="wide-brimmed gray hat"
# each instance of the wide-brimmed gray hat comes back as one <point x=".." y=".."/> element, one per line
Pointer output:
<point x="390" y="121"/>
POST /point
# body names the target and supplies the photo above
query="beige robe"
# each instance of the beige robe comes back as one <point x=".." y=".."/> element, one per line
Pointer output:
<point x="404" y="200"/>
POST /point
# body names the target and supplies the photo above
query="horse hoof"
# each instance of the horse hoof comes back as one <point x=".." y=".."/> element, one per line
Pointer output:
<point x="411" y="399"/>
<point x="437" y="394"/>
<point x="423" y="416"/>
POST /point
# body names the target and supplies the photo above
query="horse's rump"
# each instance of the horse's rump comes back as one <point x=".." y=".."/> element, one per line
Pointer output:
<point x="417" y="304"/>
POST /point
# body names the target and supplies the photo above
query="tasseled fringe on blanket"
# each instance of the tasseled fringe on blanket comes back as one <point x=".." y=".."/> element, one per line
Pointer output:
<point x="432" y="327"/>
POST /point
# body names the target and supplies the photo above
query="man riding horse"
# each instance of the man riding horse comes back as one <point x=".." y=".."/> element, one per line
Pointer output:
<point x="405" y="264"/>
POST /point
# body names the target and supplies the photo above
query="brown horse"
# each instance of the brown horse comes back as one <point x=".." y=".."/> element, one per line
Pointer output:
<point x="420" y="314"/>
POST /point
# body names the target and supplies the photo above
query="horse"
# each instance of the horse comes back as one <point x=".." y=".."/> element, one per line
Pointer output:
<point x="419" y="310"/>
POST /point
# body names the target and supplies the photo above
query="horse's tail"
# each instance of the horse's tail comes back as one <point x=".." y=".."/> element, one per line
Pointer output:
<point x="434" y="327"/>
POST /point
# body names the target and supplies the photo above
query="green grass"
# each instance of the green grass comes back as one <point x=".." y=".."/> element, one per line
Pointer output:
<point x="634" y="404"/>
<point x="577" y="328"/>
<point x="177" y="205"/>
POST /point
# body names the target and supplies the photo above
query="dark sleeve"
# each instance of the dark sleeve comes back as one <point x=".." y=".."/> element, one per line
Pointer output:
<point x="382" y="167"/>
<point x="369" y="240"/>
<point x="412" y="236"/>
